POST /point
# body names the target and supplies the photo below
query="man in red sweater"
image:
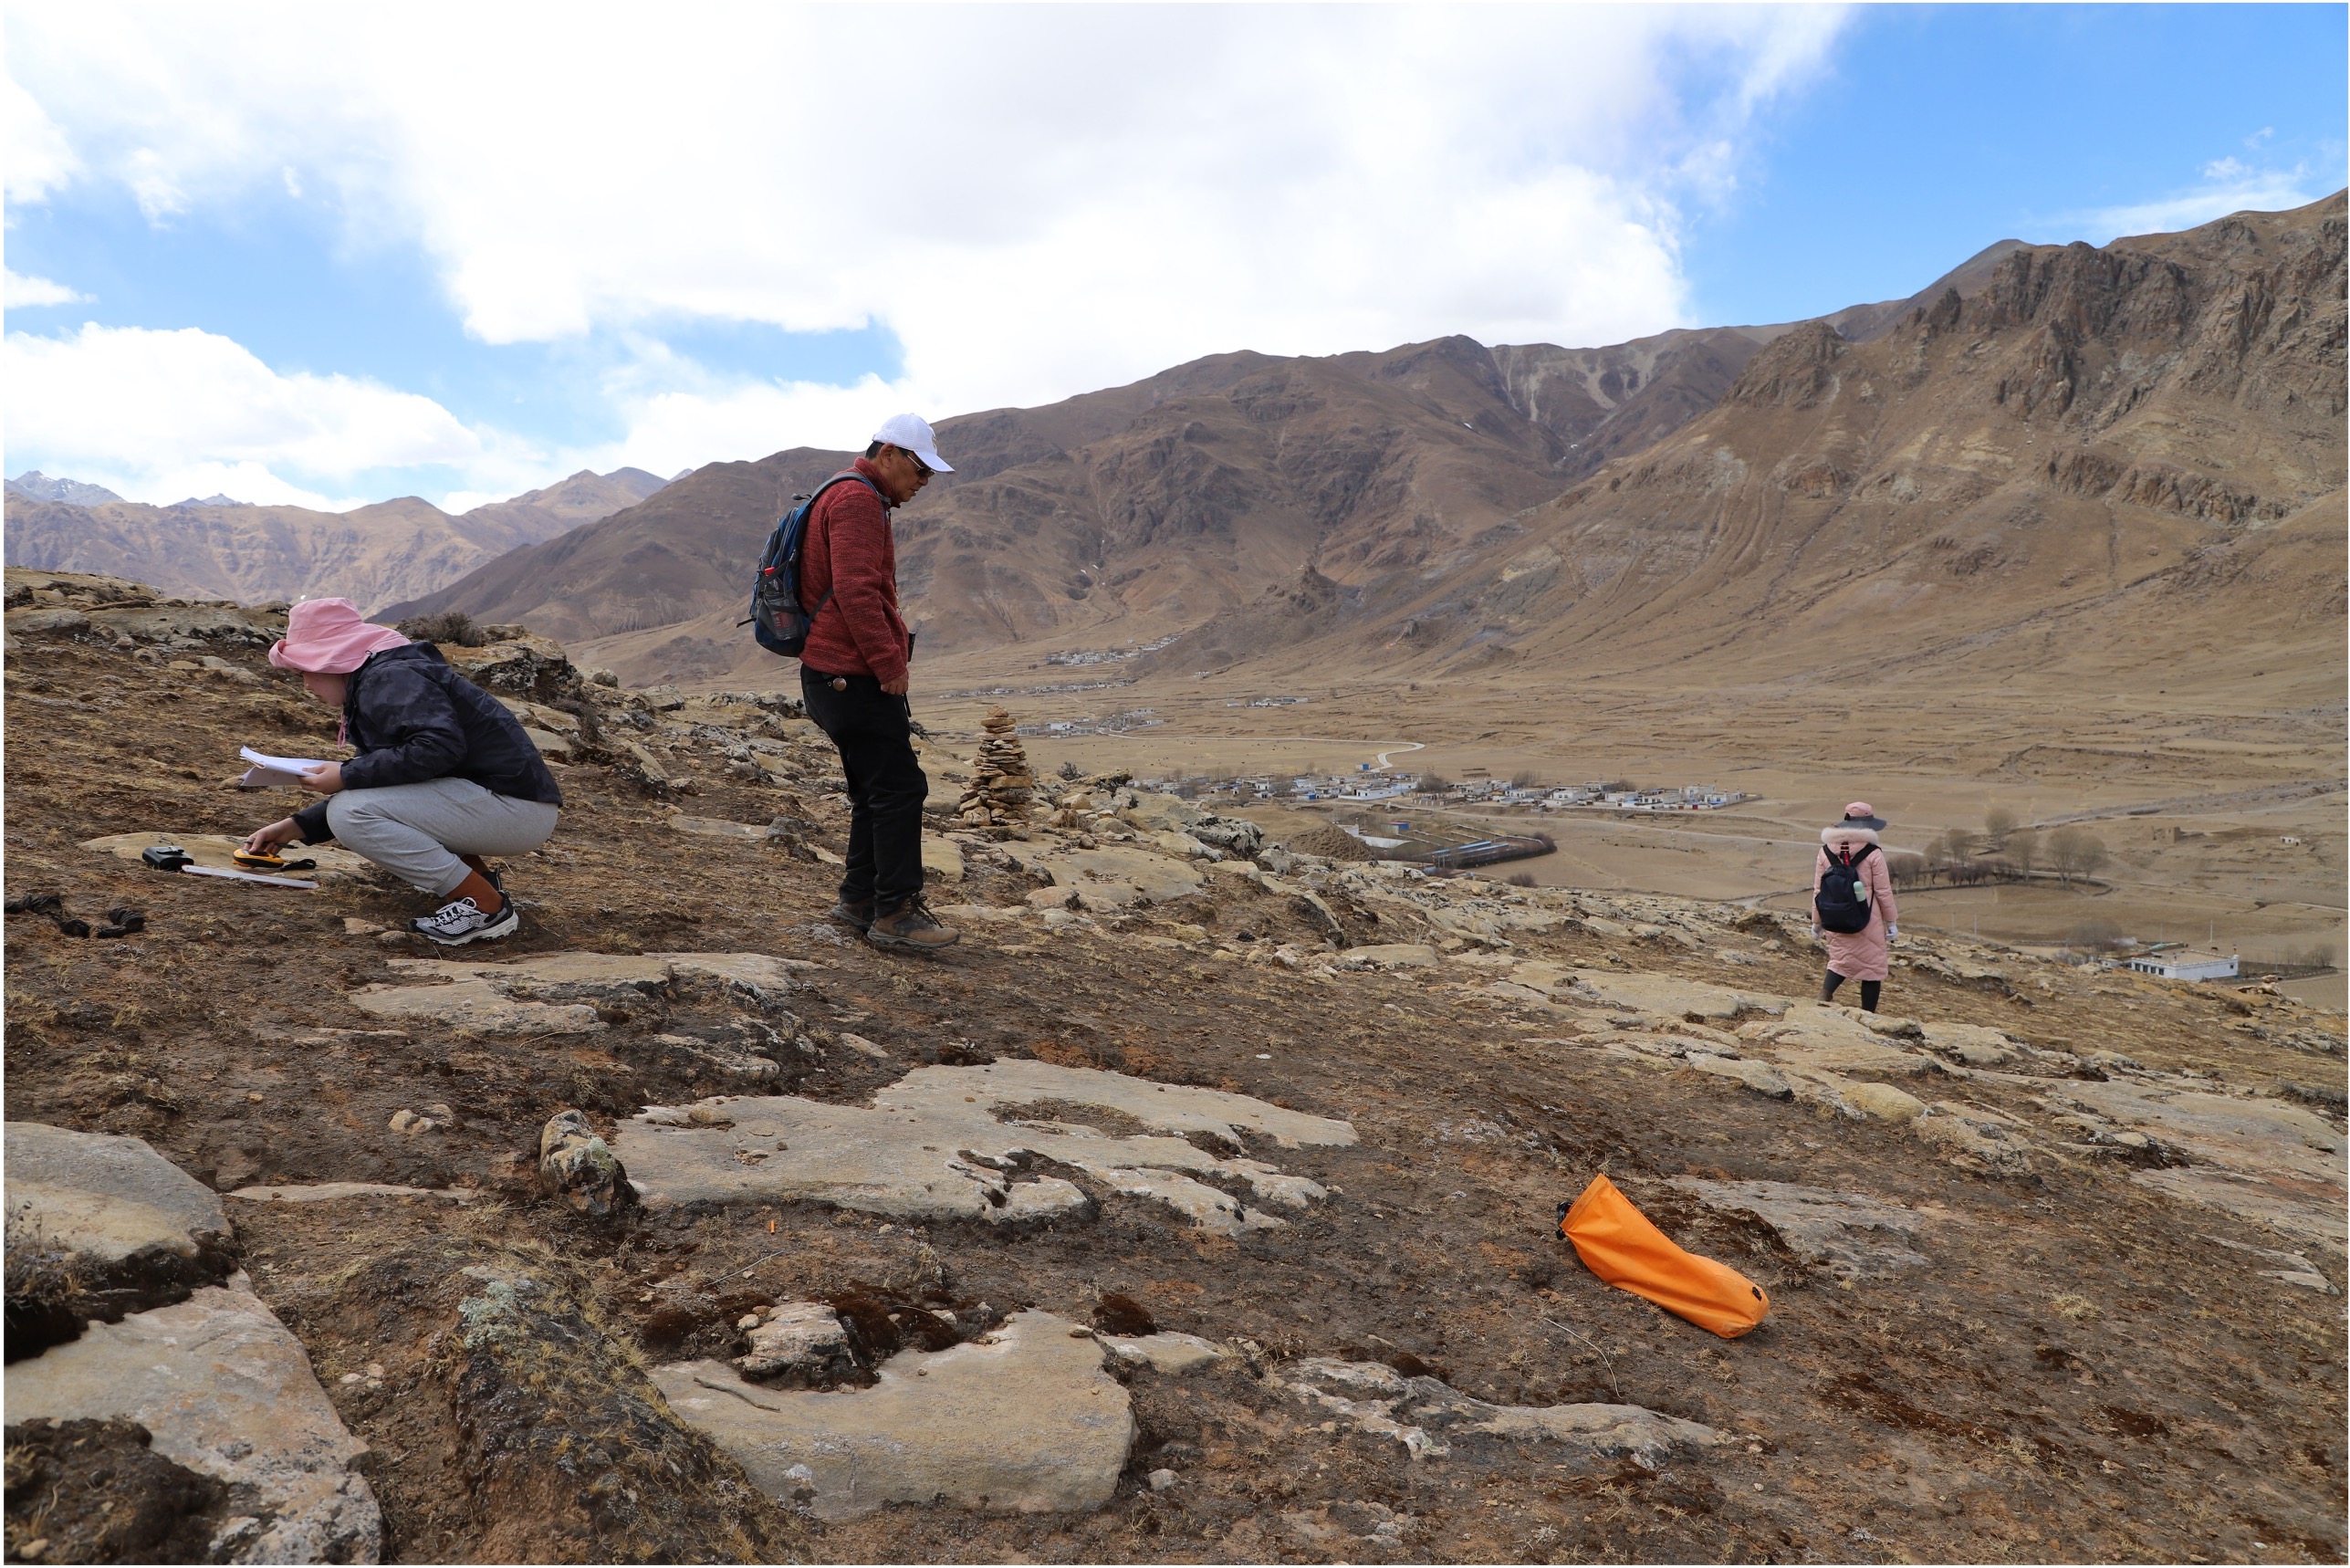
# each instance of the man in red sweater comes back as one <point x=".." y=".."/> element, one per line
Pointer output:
<point x="853" y="675"/>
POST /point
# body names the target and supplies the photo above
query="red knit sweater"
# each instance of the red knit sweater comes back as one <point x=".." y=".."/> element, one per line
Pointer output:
<point x="851" y="554"/>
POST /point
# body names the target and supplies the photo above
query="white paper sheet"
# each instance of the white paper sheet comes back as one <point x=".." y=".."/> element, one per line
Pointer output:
<point x="269" y="772"/>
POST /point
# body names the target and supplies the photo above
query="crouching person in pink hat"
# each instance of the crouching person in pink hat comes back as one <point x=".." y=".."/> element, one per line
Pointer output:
<point x="443" y="775"/>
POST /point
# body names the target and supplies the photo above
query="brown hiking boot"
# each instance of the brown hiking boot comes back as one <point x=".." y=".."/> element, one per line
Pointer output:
<point x="856" y="912"/>
<point x="910" y="923"/>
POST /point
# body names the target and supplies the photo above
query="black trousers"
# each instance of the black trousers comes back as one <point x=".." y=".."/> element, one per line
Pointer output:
<point x="886" y="785"/>
<point x="1870" y="990"/>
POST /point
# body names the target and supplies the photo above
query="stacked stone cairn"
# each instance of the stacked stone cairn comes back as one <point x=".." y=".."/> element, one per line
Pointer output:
<point x="1001" y="785"/>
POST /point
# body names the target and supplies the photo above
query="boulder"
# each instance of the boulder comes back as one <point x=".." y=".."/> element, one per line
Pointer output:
<point x="577" y="1165"/>
<point x="1023" y="1421"/>
<point x="527" y="666"/>
<point x="1233" y="835"/>
<point x="801" y="1344"/>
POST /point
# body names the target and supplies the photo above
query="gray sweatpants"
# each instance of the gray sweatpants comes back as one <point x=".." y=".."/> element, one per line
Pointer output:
<point x="416" y="831"/>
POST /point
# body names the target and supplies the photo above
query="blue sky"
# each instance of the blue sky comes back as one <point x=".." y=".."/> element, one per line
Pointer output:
<point x="339" y="264"/>
<point x="1937" y="129"/>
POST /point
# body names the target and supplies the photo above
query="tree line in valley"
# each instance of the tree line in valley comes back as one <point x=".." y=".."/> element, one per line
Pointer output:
<point x="2000" y="851"/>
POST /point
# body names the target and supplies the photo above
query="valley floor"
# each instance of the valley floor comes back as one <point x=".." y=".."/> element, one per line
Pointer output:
<point x="2066" y="1360"/>
<point x="2224" y="819"/>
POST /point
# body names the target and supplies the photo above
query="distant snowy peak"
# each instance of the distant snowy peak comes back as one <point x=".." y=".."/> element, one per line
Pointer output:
<point x="41" y="487"/>
<point x="215" y="500"/>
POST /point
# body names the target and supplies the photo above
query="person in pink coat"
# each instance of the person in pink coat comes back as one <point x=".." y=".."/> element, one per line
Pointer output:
<point x="1866" y="954"/>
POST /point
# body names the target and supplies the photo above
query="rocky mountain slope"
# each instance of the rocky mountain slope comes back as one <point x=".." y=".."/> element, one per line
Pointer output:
<point x="2122" y="464"/>
<point x="1200" y="1205"/>
<point x="373" y="556"/>
<point x="1128" y="515"/>
<point x="1609" y="402"/>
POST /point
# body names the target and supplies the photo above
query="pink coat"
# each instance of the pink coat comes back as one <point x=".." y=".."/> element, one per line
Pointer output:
<point x="1865" y="954"/>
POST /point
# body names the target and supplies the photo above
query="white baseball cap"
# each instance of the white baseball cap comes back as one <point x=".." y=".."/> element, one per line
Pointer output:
<point x="911" y="432"/>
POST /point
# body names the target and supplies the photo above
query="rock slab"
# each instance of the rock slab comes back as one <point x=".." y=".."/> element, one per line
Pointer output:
<point x="229" y="1393"/>
<point x="1024" y="1421"/>
<point x="937" y="1144"/>
<point x="556" y="993"/>
<point x="1424" y="1415"/>
<point x="1669" y="995"/>
<point x="102" y="1199"/>
<point x="1847" y="1234"/>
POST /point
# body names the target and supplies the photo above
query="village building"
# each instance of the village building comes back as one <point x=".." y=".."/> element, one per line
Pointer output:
<point x="2185" y="964"/>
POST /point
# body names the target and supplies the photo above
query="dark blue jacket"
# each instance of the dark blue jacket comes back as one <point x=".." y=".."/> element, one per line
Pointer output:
<point x="412" y="719"/>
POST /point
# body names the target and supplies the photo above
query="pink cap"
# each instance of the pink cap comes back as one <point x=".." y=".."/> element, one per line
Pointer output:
<point x="327" y="637"/>
<point x="1860" y="809"/>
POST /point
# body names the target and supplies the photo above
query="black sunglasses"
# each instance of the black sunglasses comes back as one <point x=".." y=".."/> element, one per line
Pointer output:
<point x="921" y="469"/>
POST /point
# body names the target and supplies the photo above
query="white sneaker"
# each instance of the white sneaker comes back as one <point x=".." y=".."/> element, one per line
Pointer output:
<point x="454" y="925"/>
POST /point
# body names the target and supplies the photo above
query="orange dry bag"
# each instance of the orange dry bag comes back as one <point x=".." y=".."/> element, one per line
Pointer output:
<point x="1616" y="1242"/>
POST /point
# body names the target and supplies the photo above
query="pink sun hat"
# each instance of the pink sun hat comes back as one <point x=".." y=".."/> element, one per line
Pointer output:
<point x="327" y="637"/>
<point x="1861" y="814"/>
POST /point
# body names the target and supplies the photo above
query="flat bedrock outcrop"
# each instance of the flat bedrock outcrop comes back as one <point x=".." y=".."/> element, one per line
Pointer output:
<point x="937" y="1144"/>
<point x="1025" y="1420"/>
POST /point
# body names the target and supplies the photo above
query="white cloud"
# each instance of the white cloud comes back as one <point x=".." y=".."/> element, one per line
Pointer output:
<point x="153" y="413"/>
<point x="677" y="429"/>
<point x="247" y="481"/>
<point x="23" y="292"/>
<point x="2229" y="186"/>
<point x="39" y="159"/>
<point x="1037" y="200"/>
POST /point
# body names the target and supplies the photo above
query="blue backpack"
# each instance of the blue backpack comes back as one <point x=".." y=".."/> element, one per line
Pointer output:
<point x="777" y="618"/>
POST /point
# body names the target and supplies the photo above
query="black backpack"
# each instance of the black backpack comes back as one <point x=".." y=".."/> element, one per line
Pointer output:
<point x="777" y="618"/>
<point x="1842" y="903"/>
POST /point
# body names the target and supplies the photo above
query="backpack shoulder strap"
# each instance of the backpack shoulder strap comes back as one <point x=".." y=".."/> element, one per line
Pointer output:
<point x="1864" y="851"/>
<point x="810" y="516"/>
